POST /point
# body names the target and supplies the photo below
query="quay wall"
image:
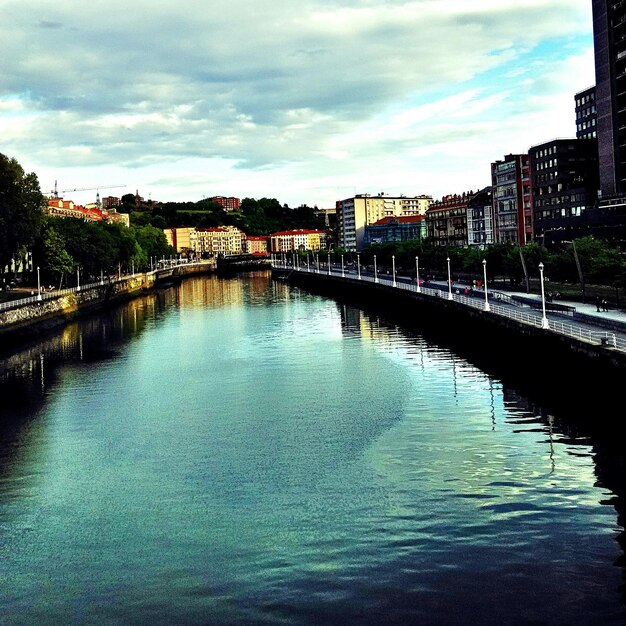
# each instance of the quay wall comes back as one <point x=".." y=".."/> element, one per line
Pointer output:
<point x="31" y="320"/>
<point x="538" y="355"/>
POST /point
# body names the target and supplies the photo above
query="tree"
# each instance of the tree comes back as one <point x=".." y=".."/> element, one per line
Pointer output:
<point x="21" y="209"/>
<point x="51" y="254"/>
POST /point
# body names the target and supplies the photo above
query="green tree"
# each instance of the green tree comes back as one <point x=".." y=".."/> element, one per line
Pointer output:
<point x="21" y="209"/>
<point x="51" y="254"/>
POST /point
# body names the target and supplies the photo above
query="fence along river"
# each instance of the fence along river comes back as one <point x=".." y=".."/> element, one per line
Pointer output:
<point x="239" y="451"/>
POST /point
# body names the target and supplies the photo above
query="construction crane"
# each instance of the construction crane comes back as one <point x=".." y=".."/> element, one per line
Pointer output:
<point x="56" y="191"/>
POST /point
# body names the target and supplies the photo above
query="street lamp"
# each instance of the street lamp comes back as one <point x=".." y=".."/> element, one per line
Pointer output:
<point x="544" y="319"/>
<point x="101" y="277"/>
<point x="393" y="269"/>
<point x="417" y="275"/>
<point x="38" y="285"/>
<point x="343" y="275"/>
<point x="375" y="270"/>
<point x="487" y="308"/>
<point x="78" y="279"/>
<point x="358" y="265"/>
<point x="449" y="280"/>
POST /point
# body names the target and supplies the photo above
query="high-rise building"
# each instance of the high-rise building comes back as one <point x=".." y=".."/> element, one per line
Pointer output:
<point x="512" y="200"/>
<point x="609" y="32"/>
<point x="586" y="114"/>
<point x="564" y="175"/>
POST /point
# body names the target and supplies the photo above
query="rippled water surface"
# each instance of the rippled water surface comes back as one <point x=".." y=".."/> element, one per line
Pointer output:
<point x="233" y="451"/>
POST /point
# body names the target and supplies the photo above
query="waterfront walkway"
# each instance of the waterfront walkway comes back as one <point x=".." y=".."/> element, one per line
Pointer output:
<point x="573" y="319"/>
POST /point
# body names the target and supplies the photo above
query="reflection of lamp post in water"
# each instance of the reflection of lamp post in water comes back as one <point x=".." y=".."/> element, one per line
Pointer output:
<point x="485" y="280"/>
<point x="544" y="319"/>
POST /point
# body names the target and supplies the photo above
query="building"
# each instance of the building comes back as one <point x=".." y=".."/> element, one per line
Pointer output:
<point x="302" y="239"/>
<point x="109" y="202"/>
<point x="228" y="204"/>
<point x="512" y="201"/>
<point x="480" y="222"/>
<point x="184" y="240"/>
<point x="394" y="229"/>
<point x="256" y="245"/>
<point x="353" y="214"/>
<point x="609" y="33"/>
<point x="446" y="220"/>
<point x="57" y="207"/>
<point x="586" y="114"/>
<point x="220" y="240"/>
<point x="564" y="176"/>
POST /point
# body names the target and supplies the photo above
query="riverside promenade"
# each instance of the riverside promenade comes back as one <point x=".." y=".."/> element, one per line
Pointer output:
<point x="575" y="320"/>
<point x="45" y="310"/>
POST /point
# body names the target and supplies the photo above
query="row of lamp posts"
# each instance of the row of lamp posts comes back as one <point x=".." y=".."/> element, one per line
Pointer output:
<point x="544" y="319"/>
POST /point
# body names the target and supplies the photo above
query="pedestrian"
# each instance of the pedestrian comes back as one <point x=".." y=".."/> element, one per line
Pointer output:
<point x="598" y="302"/>
<point x="605" y="304"/>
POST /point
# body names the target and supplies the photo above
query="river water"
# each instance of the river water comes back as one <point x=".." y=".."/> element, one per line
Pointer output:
<point x="236" y="451"/>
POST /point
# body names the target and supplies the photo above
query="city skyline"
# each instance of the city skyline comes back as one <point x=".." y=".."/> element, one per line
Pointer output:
<point x="308" y="104"/>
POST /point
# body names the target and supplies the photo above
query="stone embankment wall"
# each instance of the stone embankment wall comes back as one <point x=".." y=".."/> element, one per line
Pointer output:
<point x="33" y="319"/>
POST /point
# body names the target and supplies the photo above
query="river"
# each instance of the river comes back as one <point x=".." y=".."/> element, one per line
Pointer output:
<point x="237" y="451"/>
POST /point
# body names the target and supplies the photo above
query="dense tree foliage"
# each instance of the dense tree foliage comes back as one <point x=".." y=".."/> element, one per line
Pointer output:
<point x="21" y="210"/>
<point x="599" y="263"/>
<point x="255" y="217"/>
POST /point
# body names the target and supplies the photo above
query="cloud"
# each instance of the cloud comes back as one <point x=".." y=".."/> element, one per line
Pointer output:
<point x="282" y="87"/>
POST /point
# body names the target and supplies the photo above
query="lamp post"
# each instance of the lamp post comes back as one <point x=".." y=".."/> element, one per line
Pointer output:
<point x="78" y="279"/>
<point x="375" y="270"/>
<point x="38" y="285"/>
<point x="544" y="319"/>
<point x="487" y="308"/>
<point x="393" y="269"/>
<point x="329" y="261"/>
<point x="358" y="265"/>
<point x="308" y="265"/>
<point x="417" y="275"/>
<point x="317" y="260"/>
<point x="342" y="270"/>
<point x="449" y="280"/>
<point x="101" y="277"/>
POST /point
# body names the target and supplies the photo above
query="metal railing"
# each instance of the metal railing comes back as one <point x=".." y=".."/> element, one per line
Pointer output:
<point x="105" y="280"/>
<point x="515" y="312"/>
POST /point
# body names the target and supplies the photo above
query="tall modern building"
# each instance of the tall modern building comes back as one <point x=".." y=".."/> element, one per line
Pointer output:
<point x="609" y="32"/>
<point x="564" y="174"/>
<point x="586" y="114"/>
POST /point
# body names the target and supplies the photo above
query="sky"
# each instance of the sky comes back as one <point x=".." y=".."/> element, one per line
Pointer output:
<point x="307" y="101"/>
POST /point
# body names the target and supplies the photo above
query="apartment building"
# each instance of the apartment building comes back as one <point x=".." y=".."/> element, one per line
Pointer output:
<point x="354" y="214"/>
<point x="300" y="239"/>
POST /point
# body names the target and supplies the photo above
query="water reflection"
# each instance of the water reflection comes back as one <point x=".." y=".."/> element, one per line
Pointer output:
<point x="277" y="457"/>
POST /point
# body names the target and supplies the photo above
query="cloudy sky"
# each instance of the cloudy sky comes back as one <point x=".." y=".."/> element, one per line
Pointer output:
<point x="306" y="101"/>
